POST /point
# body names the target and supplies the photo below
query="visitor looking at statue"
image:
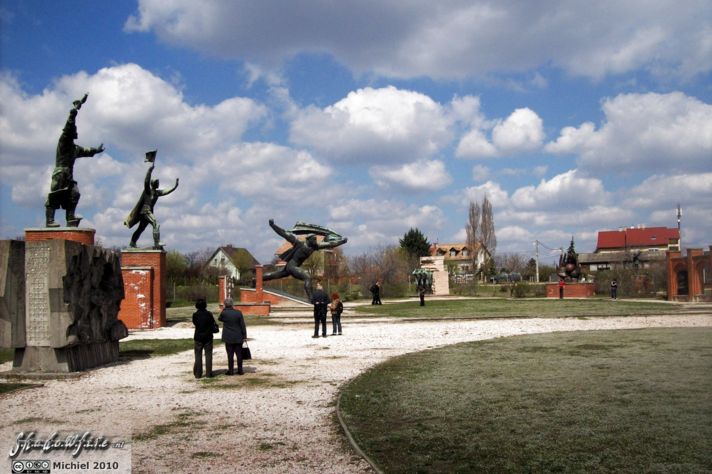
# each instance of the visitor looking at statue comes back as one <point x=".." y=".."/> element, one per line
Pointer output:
<point x="234" y="334"/>
<point x="320" y="300"/>
<point x="205" y="326"/>
<point x="336" y="307"/>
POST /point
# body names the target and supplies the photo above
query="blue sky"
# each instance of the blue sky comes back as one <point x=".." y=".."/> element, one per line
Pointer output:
<point x="368" y="117"/>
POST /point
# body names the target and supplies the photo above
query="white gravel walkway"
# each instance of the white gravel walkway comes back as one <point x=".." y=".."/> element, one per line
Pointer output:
<point x="277" y="418"/>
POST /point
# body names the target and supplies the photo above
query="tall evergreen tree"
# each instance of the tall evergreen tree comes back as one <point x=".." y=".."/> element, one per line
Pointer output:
<point x="415" y="244"/>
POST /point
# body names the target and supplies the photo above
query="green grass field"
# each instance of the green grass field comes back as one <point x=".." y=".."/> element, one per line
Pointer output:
<point x="508" y="308"/>
<point x="598" y="401"/>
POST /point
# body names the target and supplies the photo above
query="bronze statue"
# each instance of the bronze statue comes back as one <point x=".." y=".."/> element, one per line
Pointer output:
<point x="64" y="191"/>
<point x="568" y="264"/>
<point x="300" y="251"/>
<point x="142" y="213"/>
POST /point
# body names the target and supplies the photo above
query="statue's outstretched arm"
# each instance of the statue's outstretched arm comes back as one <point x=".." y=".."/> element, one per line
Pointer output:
<point x="163" y="192"/>
<point x="281" y="232"/>
<point x="331" y="245"/>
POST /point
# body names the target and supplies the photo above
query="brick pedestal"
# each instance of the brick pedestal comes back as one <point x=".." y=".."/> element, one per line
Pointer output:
<point x="252" y="301"/>
<point x="571" y="290"/>
<point x="74" y="234"/>
<point x="144" y="273"/>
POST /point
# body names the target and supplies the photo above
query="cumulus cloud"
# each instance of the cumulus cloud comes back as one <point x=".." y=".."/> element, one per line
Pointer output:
<point x="374" y="125"/>
<point x="416" y="38"/>
<point x="662" y="132"/>
<point x="375" y="222"/>
<point x="567" y="190"/>
<point x="419" y="176"/>
<point x="522" y="131"/>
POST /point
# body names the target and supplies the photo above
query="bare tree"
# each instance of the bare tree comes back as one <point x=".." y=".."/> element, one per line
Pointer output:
<point x="488" y="238"/>
<point x="474" y="233"/>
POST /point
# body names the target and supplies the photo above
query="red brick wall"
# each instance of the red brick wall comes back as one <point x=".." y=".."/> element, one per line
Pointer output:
<point x="571" y="290"/>
<point x="136" y="308"/>
<point x="141" y="260"/>
<point x="83" y="236"/>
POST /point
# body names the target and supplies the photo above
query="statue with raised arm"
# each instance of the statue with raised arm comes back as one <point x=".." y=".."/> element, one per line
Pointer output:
<point x="64" y="191"/>
<point x="300" y="251"/>
<point x="142" y="213"/>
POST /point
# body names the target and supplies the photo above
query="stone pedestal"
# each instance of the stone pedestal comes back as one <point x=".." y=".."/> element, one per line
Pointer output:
<point x="441" y="278"/>
<point x="144" y="274"/>
<point x="64" y="319"/>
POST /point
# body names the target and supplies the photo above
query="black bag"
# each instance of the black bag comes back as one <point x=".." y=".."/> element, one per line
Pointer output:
<point x="216" y="328"/>
<point x="246" y="354"/>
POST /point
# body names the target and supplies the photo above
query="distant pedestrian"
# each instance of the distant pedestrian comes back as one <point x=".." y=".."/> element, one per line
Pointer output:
<point x="376" y="293"/>
<point x="205" y="325"/>
<point x="614" y="289"/>
<point x="562" y="284"/>
<point x="336" y="307"/>
<point x="234" y="333"/>
<point x="320" y="300"/>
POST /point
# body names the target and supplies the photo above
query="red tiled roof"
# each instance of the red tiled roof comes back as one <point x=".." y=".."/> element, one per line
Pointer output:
<point x="636" y="237"/>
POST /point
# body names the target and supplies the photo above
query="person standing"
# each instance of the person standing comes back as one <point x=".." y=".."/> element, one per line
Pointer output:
<point x="336" y="307"/>
<point x="234" y="333"/>
<point x="204" y="323"/>
<point x="376" y="292"/>
<point x="614" y="289"/>
<point x="320" y="300"/>
<point x="562" y="284"/>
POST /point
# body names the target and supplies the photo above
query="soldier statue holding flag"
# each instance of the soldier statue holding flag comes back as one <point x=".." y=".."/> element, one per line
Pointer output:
<point x="64" y="191"/>
<point x="142" y="213"/>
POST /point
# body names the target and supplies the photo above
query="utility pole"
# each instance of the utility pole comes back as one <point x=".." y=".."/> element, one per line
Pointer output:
<point x="536" y="259"/>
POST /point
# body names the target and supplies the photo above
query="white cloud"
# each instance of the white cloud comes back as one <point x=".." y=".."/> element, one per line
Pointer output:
<point x="446" y="39"/>
<point x="565" y="191"/>
<point x="652" y="132"/>
<point x="374" y="125"/>
<point x="522" y="131"/>
<point x="419" y="176"/>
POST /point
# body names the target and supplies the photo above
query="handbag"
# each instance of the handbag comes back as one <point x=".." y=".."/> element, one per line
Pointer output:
<point x="216" y="328"/>
<point x="246" y="354"/>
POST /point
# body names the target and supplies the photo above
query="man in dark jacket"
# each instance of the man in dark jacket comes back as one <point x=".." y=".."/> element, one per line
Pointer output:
<point x="234" y="333"/>
<point x="320" y="300"/>
<point x="204" y="323"/>
<point x="376" y="292"/>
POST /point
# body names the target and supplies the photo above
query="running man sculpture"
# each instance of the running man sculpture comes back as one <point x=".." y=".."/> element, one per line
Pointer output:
<point x="300" y="251"/>
<point x="64" y="191"/>
<point x="142" y="213"/>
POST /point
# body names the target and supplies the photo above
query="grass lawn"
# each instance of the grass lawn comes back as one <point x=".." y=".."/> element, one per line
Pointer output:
<point x="506" y="308"/>
<point x="185" y="314"/>
<point x="598" y="401"/>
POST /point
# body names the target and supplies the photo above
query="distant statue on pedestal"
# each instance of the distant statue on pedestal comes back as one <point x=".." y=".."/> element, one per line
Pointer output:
<point x="568" y="264"/>
<point x="300" y="251"/>
<point x="64" y="191"/>
<point x="142" y="213"/>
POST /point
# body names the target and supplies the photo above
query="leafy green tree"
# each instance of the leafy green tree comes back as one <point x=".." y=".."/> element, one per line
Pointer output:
<point x="415" y="244"/>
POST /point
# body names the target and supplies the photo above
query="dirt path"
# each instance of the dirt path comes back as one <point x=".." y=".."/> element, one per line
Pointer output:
<point x="279" y="417"/>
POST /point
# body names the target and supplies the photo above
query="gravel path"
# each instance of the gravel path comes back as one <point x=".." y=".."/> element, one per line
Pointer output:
<point x="279" y="417"/>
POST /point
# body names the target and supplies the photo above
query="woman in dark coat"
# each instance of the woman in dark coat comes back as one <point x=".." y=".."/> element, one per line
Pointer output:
<point x="234" y="333"/>
<point x="204" y="323"/>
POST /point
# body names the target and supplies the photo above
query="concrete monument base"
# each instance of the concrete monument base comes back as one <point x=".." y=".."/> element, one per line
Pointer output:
<point x="66" y="359"/>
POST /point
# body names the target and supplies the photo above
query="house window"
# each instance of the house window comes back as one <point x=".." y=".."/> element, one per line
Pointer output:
<point x="453" y="253"/>
<point x="465" y="253"/>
